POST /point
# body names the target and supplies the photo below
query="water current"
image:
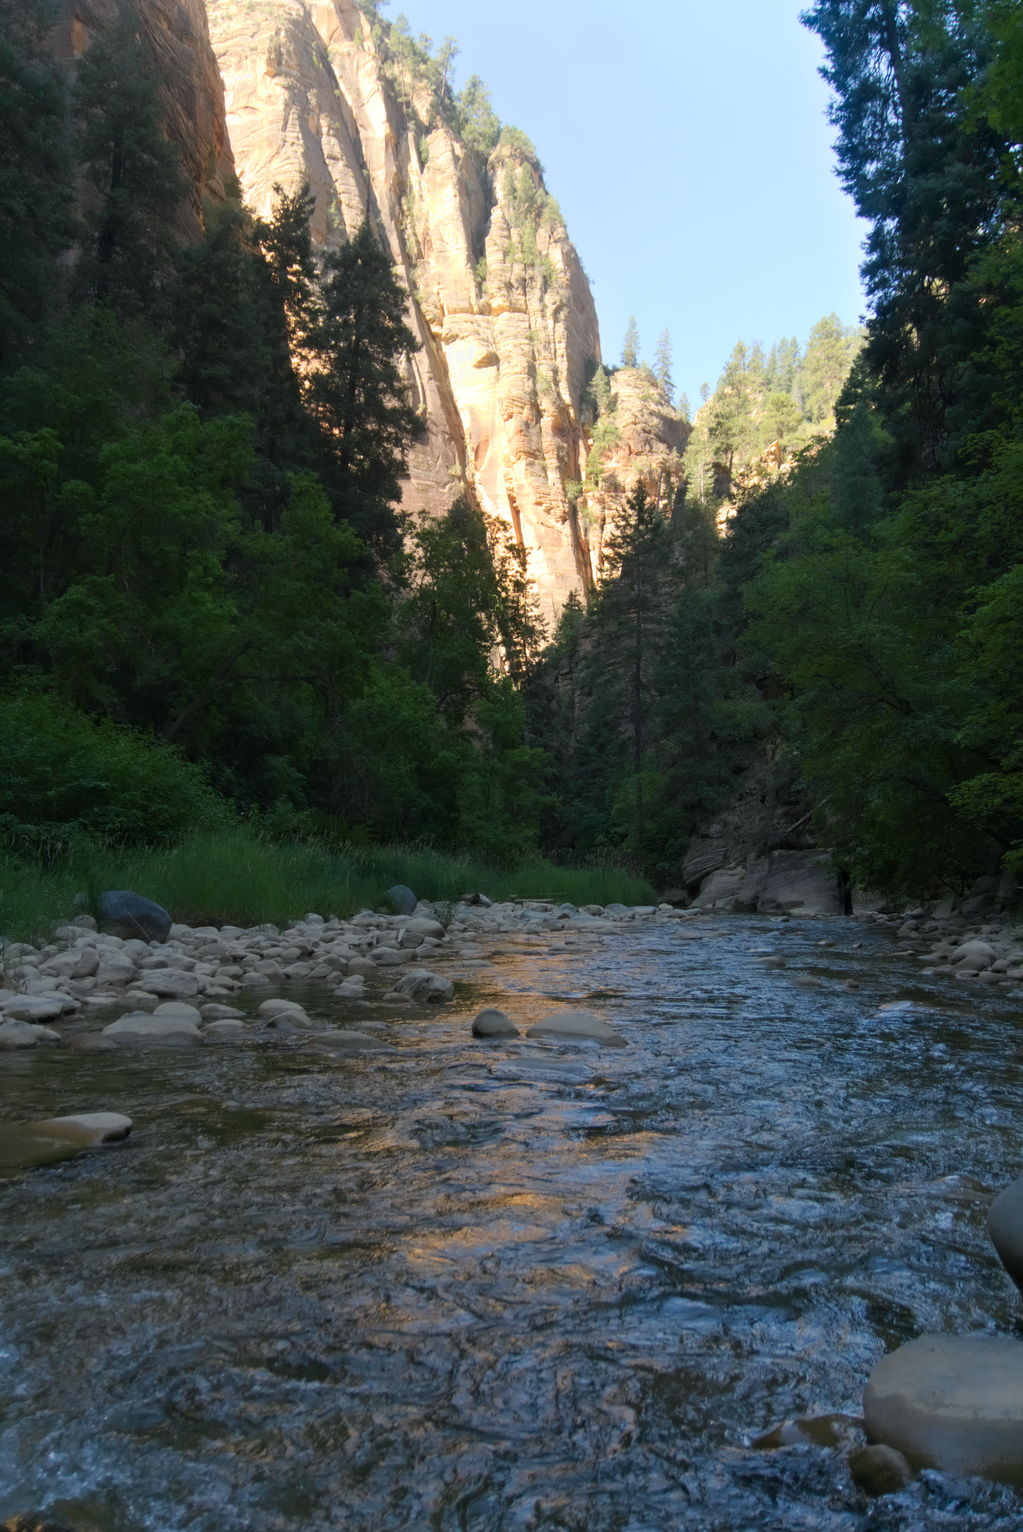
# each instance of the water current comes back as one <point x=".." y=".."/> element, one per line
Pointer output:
<point x="474" y="1287"/>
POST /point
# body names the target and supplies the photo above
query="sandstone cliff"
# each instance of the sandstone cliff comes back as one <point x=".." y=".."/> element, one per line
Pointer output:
<point x="644" y="447"/>
<point x="195" y="119"/>
<point x="498" y="296"/>
<point x="286" y="92"/>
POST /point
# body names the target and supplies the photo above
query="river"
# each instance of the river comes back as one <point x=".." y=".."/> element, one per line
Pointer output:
<point x="468" y="1287"/>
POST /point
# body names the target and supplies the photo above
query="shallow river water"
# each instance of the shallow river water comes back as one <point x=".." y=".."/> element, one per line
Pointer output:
<point x="515" y="1287"/>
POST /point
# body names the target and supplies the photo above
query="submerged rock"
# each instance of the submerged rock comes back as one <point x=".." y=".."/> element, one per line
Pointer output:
<point x="951" y="1402"/>
<point x="493" y="1023"/>
<point x="42" y="1143"/>
<point x="85" y="1129"/>
<point x="141" y="1026"/>
<point x="834" y="1430"/>
<point x="879" y="1470"/>
<point x="577" y="1026"/>
<point x="33" y="1521"/>
<point x="421" y="984"/>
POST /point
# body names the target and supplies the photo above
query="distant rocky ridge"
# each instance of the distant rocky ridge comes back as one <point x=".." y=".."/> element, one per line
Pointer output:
<point x="286" y="92"/>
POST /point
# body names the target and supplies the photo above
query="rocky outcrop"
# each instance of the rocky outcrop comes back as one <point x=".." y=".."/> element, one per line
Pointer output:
<point x="646" y="447"/>
<point x="498" y="297"/>
<point x="760" y="853"/>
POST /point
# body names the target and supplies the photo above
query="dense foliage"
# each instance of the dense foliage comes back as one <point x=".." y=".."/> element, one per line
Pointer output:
<point x="212" y="609"/>
<point x="888" y="609"/>
<point x="864" y="607"/>
<point x="210" y="605"/>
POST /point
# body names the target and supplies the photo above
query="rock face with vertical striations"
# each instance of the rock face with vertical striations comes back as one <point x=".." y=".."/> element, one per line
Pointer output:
<point x="194" y="100"/>
<point x="498" y="296"/>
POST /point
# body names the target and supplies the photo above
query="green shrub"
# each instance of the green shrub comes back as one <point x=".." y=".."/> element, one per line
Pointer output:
<point x="65" y="777"/>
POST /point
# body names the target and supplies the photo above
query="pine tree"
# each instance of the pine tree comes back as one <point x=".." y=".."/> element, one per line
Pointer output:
<point x="355" y="388"/>
<point x="927" y="176"/>
<point x="629" y="620"/>
<point x="134" y="187"/>
<point x="630" y="345"/>
<point x="35" y="178"/>
<point x="662" y="365"/>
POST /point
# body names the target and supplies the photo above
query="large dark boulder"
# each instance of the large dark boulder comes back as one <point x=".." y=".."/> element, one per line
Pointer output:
<point x="129" y="915"/>
<point x="1005" y="1225"/>
<point x="403" y="899"/>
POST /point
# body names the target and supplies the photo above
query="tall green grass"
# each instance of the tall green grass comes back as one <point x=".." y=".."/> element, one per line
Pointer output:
<point x="236" y="876"/>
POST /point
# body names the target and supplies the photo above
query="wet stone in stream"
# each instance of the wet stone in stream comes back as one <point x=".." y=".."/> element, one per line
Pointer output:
<point x="510" y="1285"/>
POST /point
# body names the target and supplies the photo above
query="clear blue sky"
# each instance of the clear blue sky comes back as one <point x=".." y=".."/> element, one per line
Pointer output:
<point x="687" y="143"/>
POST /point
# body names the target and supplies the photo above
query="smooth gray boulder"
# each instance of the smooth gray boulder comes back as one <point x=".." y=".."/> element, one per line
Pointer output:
<point x="493" y="1023"/>
<point x="141" y="1026"/>
<point x="85" y="1129"/>
<point x="37" y="1008"/>
<point x="24" y="1034"/>
<point x="951" y="1402"/>
<point x="347" y="1041"/>
<point x="576" y="1026"/>
<point x="402" y="898"/>
<point x="420" y="984"/>
<point x="1005" y="1226"/>
<point x="972" y="957"/>
<point x="43" y="1143"/>
<point x="126" y="914"/>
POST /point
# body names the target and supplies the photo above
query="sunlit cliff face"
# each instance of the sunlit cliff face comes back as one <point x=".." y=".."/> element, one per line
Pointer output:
<point x="498" y="297"/>
<point x="286" y="93"/>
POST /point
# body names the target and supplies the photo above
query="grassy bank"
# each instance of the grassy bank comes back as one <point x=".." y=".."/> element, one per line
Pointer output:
<point x="238" y="877"/>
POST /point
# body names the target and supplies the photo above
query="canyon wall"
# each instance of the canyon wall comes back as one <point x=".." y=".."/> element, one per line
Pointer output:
<point x="292" y="92"/>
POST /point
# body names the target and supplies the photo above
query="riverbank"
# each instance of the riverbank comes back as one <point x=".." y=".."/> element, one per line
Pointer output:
<point x="240" y="877"/>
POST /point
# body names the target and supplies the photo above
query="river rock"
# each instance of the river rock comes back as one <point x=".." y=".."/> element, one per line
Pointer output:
<point x="347" y="1041"/>
<point x="879" y="1470"/>
<point x="90" y="1042"/>
<point x="181" y="1009"/>
<point x="173" y="982"/>
<point x="422" y="925"/>
<point x="390" y="957"/>
<point x="576" y="1026"/>
<point x="402" y="898"/>
<point x="143" y="1027"/>
<point x="493" y="1023"/>
<point x="86" y="1129"/>
<point x="37" y="1008"/>
<point x="421" y="984"/>
<point x="126" y="914"/>
<point x="15" y="1035"/>
<point x="215" y="1012"/>
<point x="43" y="1143"/>
<point x="973" y="956"/>
<point x="1005" y="1225"/>
<point x="115" y="968"/>
<point x="277" y="1004"/>
<point x="951" y="1402"/>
